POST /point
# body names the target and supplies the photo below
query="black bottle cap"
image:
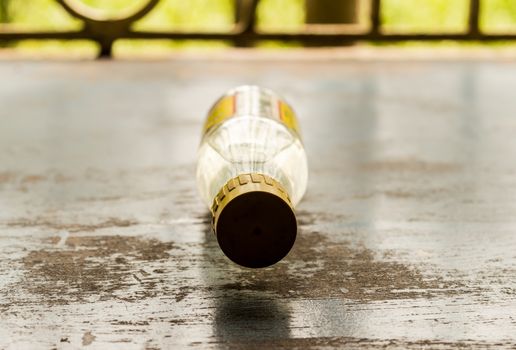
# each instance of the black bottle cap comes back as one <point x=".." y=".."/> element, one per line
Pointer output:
<point x="254" y="221"/>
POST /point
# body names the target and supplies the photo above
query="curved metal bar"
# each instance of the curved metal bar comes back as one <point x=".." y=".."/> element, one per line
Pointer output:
<point x="88" y="14"/>
<point x="143" y="11"/>
<point x="105" y="29"/>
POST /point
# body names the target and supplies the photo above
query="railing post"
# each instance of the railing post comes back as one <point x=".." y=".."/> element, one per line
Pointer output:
<point x="245" y="18"/>
<point x="376" y="20"/>
<point x="331" y="12"/>
<point x="473" y="19"/>
<point x="4" y="17"/>
<point x="105" y="48"/>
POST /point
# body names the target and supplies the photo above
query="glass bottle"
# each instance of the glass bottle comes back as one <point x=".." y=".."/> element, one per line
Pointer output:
<point x="252" y="171"/>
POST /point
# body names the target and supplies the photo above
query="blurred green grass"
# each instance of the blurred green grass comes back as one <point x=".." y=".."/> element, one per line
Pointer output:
<point x="217" y="15"/>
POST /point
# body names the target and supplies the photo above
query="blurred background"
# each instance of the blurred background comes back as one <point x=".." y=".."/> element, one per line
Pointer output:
<point x="21" y="19"/>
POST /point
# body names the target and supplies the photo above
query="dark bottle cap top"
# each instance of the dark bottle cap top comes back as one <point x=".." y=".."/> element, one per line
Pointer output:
<point x="254" y="221"/>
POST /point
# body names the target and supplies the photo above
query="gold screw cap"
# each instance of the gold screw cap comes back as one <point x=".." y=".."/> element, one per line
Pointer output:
<point x="253" y="220"/>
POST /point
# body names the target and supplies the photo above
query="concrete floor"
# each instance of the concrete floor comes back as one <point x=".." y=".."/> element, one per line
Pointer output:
<point x="407" y="234"/>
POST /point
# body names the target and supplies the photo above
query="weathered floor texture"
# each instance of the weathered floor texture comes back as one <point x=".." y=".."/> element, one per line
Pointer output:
<point x="407" y="233"/>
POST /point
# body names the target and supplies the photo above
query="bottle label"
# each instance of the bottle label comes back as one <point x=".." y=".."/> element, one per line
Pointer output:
<point x="223" y="109"/>
<point x="251" y="102"/>
<point x="287" y="116"/>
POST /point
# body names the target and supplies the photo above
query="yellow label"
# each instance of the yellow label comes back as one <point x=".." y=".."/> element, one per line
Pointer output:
<point x="268" y="107"/>
<point x="287" y="116"/>
<point x="222" y="110"/>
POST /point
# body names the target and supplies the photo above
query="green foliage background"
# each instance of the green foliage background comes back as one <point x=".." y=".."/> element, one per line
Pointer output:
<point x="286" y="15"/>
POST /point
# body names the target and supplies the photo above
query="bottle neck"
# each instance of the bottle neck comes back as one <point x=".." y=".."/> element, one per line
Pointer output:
<point x="246" y="183"/>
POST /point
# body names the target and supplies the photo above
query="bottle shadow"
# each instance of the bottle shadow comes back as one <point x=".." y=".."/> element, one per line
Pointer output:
<point x="242" y="317"/>
<point x="243" y="313"/>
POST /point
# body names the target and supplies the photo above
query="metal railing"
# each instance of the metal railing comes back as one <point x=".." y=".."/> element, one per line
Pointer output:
<point x="106" y="30"/>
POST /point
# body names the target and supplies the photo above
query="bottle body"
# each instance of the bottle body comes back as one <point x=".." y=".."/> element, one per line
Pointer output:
<point x="251" y="138"/>
<point x="251" y="172"/>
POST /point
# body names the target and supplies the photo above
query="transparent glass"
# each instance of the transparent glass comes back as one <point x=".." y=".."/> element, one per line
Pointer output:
<point x="252" y="142"/>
